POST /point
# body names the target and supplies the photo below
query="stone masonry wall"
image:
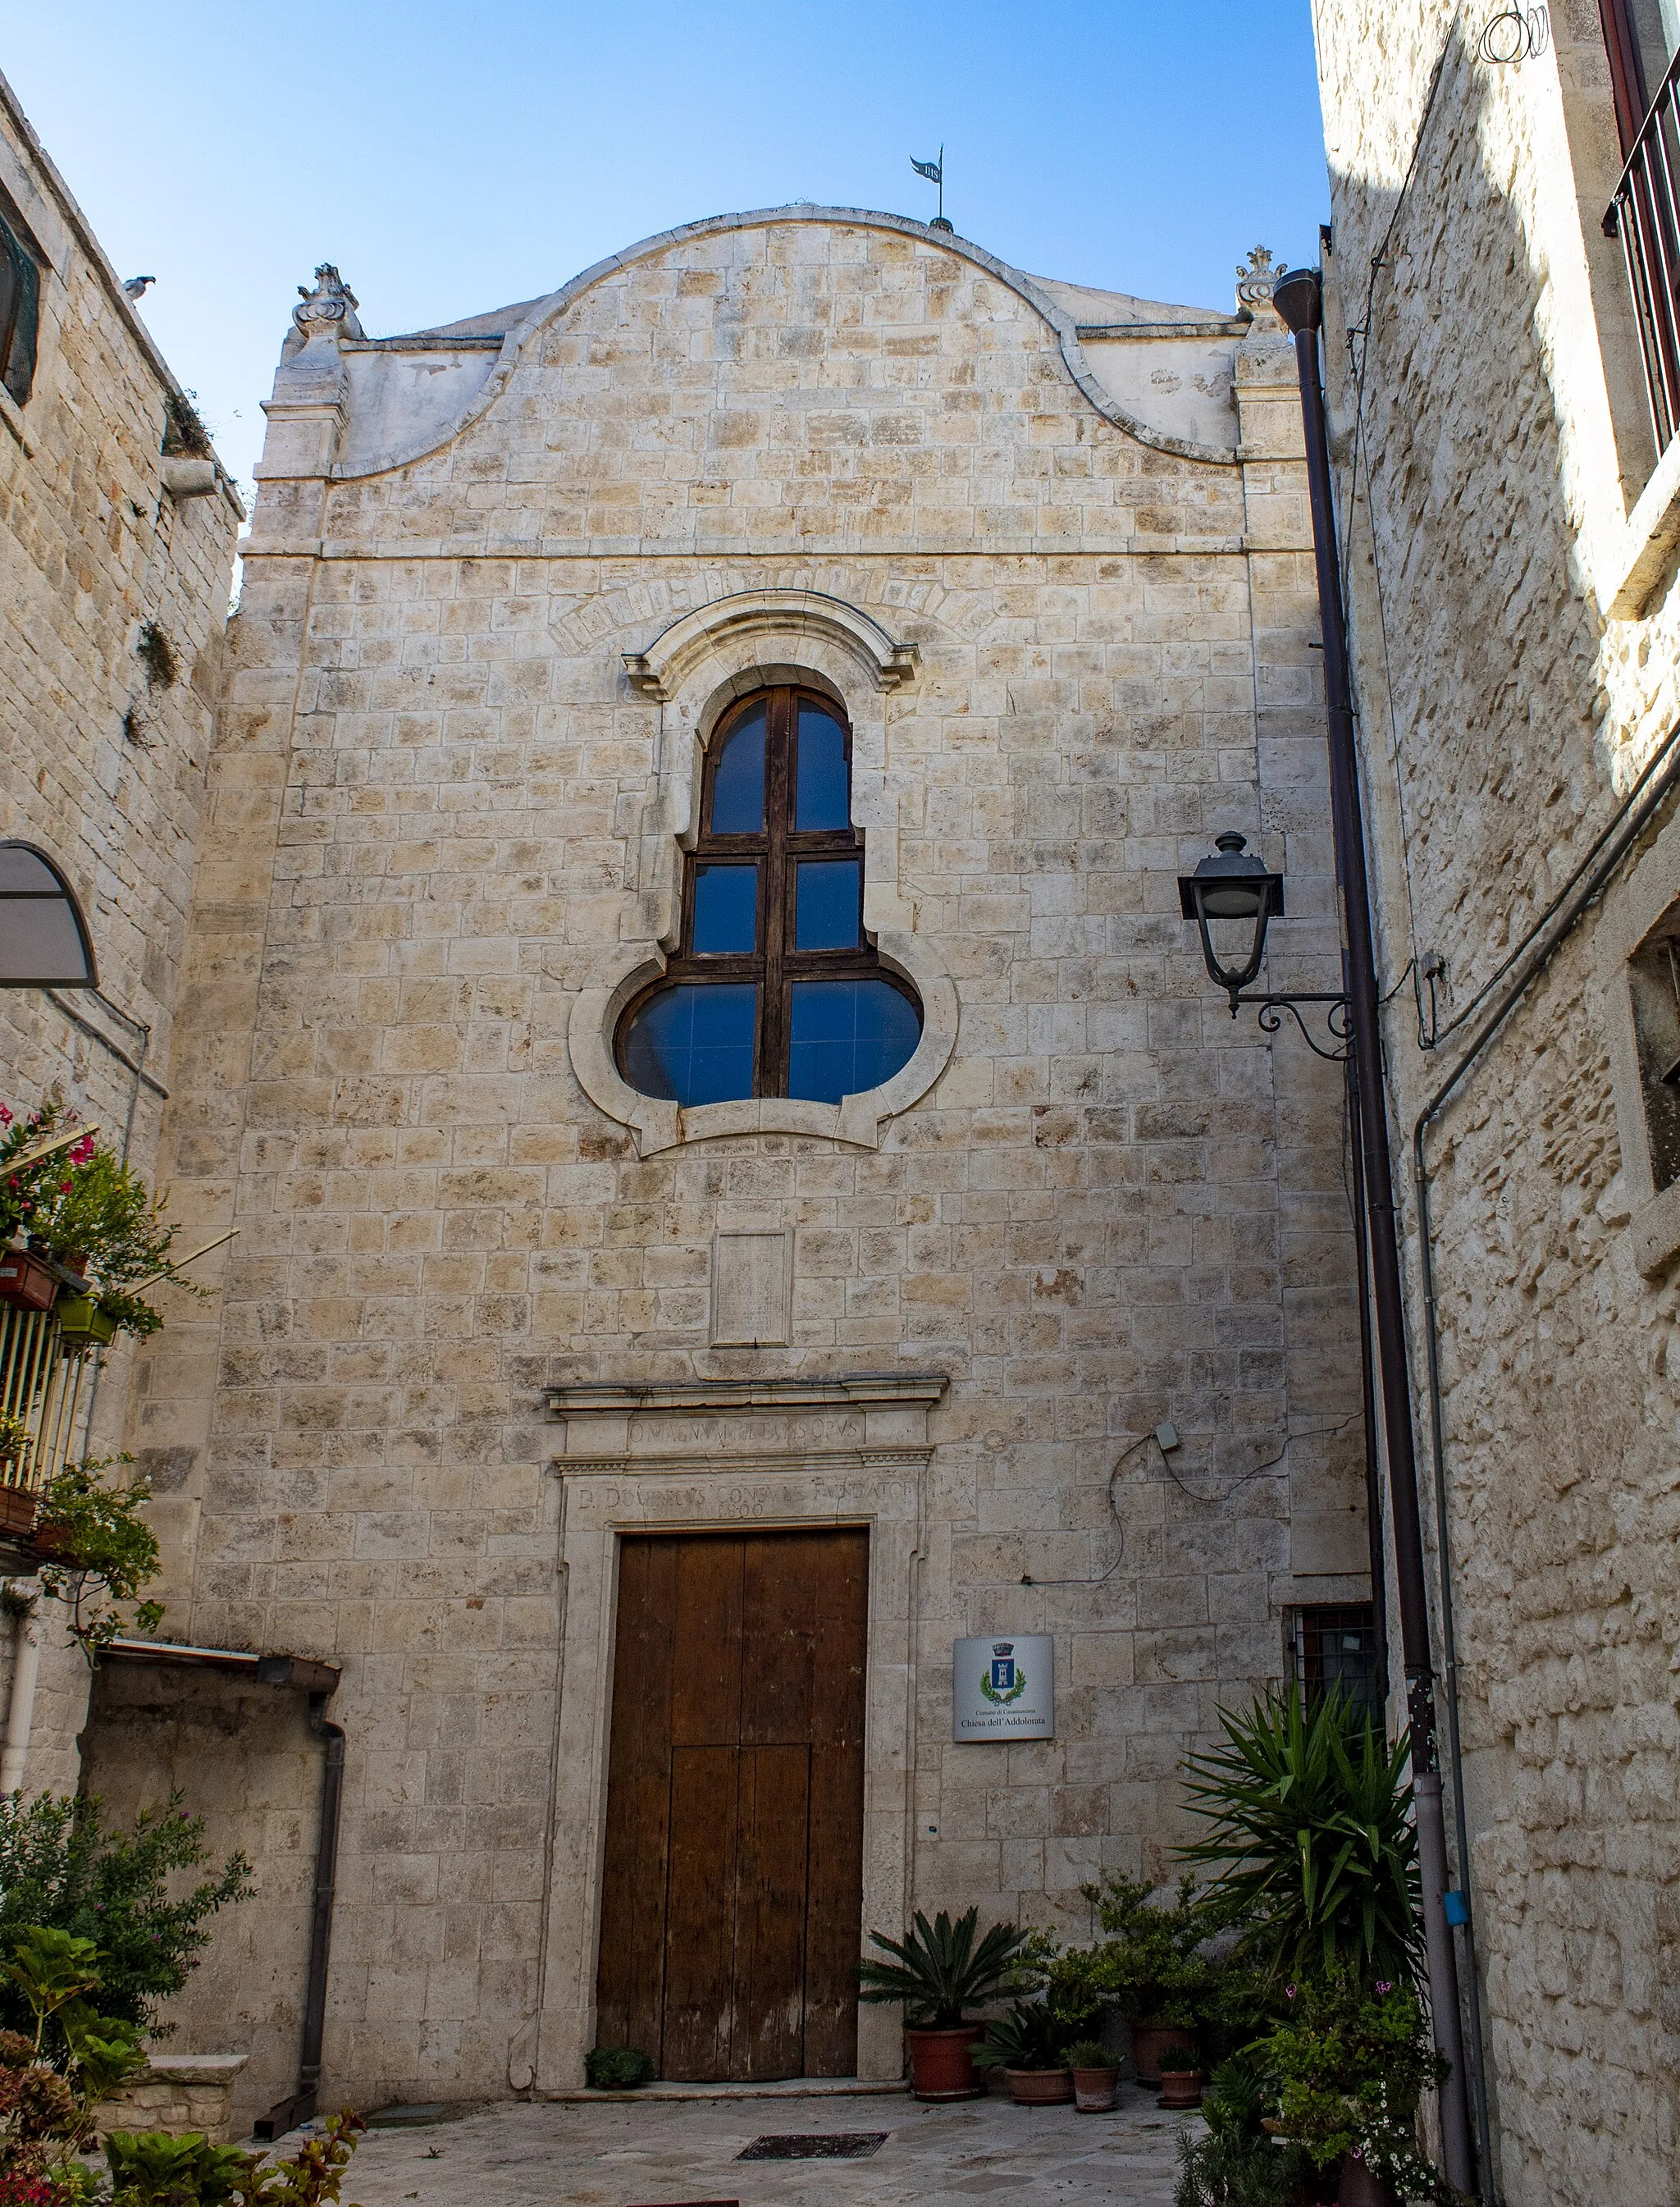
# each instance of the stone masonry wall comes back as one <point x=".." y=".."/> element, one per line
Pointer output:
<point x="91" y="548"/>
<point x="1488" y="438"/>
<point x="426" y="814"/>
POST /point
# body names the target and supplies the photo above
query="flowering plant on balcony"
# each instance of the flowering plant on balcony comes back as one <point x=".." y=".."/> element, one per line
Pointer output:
<point x="94" y="1213"/>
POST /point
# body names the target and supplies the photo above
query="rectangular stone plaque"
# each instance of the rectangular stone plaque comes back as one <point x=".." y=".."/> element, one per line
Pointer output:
<point x="752" y="1287"/>
<point x="1004" y="1688"/>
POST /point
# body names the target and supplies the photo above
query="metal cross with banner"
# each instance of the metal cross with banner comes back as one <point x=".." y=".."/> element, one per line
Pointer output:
<point x="935" y="173"/>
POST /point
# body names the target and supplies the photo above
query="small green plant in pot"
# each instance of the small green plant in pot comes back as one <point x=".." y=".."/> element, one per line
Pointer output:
<point x="1181" y="2077"/>
<point x="1095" y="2070"/>
<point x="1028" y="2044"/>
<point x="940" y="1972"/>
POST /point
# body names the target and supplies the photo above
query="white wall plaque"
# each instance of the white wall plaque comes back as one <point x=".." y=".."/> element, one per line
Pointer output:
<point x="1004" y="1688"/>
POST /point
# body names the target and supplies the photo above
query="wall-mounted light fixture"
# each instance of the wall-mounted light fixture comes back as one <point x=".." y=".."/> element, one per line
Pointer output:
<point x="1233" y="899"/>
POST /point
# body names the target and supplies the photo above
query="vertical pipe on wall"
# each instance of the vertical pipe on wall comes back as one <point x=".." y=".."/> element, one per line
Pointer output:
<point x="23" y="1597"/>
<point x="1298" y="299"/>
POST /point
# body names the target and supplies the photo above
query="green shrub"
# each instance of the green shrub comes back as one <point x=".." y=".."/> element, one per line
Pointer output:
<point x="1347" y="2069"/>
<point x="1309" y="1812"/>
<point x="60" y="1869"/>
<point x="1155" y="1964"/>
<point x="103" y="1550"/>
<point x="1177" y="2061"/>
<point x="616" y="2068"/>
<point x="1232" y="2163"/>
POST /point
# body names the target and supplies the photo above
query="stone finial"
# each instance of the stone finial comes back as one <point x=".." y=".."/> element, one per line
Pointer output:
<point x="329" y="309"/>
<point x="1255" y="278"/>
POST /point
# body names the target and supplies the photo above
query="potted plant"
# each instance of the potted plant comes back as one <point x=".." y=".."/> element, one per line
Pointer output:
<point x="1155" y="1965"/>
<point x="1181" y="2077"/>
<point x="1027" y="2043"/>
<point x="1310" y="1823"/>
<point x="1346" y="2069"/>
<point x="89" y="1218"/>
<point x="1233" y="2162"/>
<point x="17" y="1500"/>
<point x="939" y="1972"/>
<point x="1095" y="2070"/>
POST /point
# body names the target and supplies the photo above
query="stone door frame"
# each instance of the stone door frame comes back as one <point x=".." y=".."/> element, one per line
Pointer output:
<point x="710" y="1455"/>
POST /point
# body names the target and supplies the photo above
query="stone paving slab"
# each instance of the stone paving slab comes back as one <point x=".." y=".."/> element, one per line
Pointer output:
<point x="616" y="2155"/>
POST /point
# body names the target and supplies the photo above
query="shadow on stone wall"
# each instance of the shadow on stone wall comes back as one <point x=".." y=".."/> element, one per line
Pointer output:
<point x="1560" y="1418"/>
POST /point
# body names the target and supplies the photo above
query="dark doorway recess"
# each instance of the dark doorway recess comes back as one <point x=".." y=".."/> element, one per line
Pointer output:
<point x="733" y="1882"/>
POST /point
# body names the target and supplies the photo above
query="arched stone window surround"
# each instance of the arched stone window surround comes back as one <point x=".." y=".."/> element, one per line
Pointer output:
<point x="696" y="669"/>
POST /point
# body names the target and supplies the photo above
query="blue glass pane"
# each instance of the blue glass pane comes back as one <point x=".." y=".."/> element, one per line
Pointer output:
<point x="825" y="903"/>
<point x="726" y="908"/>
<point x="737" y="787"/>
<point x="692" y="1043"/>
<point x="848" y="1035"/>
<point x="821" y="797"/>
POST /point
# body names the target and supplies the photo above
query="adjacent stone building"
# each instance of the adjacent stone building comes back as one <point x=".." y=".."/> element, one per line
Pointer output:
<point x="1508" y="495"/>
<point x="639" y="1423"/>
<point x="117" y="536"/>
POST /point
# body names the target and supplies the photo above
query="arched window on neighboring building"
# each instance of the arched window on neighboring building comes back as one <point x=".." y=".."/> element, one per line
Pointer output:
<point x="20" y="306"/>
<point x="773" y="990"/>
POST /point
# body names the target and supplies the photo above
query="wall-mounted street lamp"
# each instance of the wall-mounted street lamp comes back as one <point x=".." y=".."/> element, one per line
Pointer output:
<point x="1233" y="901"/>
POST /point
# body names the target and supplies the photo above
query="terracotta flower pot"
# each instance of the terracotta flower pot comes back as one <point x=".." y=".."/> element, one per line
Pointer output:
<point x="1356" y="2186"/>
<point x="17" y="1504"/>
<point x="1096" y="2092"/>
<point x="1150" y="2041"/>
<point x="941" y="2062"/>
<point x="27" y="1282"/>
<point x="1181" y="2088"/>
<point x="1040" y="2088"/>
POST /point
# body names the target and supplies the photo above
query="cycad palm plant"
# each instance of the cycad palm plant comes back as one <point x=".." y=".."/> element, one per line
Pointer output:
<point x="1309" y="1811"/>
<point x="940" y="1971"/>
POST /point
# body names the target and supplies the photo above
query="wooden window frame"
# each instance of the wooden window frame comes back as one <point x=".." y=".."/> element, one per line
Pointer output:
<point x="775" y="965"/>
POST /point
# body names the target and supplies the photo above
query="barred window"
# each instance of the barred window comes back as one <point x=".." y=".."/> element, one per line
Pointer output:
<point x="774" y="990"/>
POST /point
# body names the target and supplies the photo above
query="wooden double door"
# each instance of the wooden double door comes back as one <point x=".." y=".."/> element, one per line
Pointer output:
<point x="733" y="1876"/>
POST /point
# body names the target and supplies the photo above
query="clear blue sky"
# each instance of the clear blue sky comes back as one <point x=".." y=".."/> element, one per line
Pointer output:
<point x="453" y="157"/>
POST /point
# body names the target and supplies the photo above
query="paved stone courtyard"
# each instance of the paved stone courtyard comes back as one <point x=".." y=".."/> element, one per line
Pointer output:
<point x="621" y="2154"/>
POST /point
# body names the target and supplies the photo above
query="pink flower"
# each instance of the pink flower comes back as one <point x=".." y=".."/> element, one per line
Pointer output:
<point x="1289" y="1992"/>
<point x="1385" y="1985"/>
<point x="5" y="1116"/>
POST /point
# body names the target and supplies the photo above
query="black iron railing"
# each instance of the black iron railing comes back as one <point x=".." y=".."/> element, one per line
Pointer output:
<point x="1645" y="214"/>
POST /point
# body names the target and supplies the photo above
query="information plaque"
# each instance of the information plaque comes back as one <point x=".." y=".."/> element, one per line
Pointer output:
<point x="1004" y="1688"/>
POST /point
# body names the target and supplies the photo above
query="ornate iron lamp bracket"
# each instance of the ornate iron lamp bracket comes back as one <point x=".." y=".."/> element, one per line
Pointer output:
<point x="1271" y="1007"/>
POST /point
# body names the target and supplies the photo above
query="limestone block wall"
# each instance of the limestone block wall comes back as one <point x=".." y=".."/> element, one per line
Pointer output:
<point x="437" y="819"/>
<point x="1492" y="444"/>
<point x="92" y="547"/>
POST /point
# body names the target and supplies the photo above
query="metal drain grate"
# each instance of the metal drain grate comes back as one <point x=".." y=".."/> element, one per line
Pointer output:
<point x="815" y="2145"/>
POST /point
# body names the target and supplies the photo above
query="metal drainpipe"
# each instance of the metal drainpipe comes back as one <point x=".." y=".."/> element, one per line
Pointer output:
<point x="1373" y="1472"/>
<point x="1298" y="298"/>
<point x="25" y="1594"/>
<point x="300" y="2107"/>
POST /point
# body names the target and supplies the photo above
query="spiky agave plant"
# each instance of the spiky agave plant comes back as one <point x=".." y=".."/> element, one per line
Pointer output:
<point x="1309" y="1815"/>
<point x="940" y="1971"/>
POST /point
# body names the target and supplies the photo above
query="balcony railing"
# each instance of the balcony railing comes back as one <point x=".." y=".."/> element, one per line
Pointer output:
<point x="1645" y="214"/>
<point x="41" y="1378"/>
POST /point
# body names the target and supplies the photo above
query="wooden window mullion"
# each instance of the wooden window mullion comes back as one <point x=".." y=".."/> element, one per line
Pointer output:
<point x="772" y="1009"/>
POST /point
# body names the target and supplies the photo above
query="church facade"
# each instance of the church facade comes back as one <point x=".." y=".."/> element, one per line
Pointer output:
<point x="742" y="1181"/>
